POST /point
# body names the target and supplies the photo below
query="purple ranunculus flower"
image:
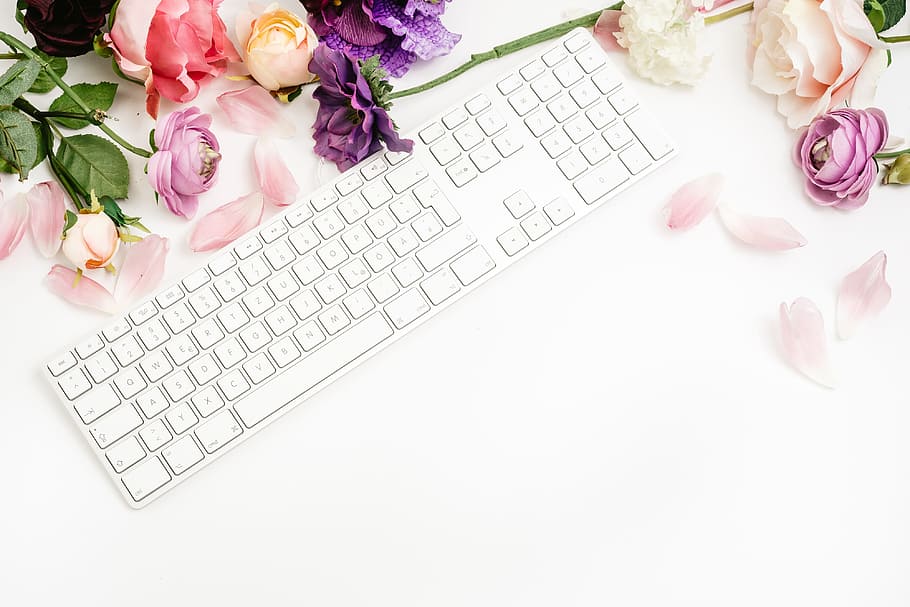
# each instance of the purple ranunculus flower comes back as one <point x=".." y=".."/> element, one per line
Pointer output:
<point x="399" y="31"/>
<point x="837" y="154"/>
<point x="186" y="160"/>
<point x="352" y="121"/>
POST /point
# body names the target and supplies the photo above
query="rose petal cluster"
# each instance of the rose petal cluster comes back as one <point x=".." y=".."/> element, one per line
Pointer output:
<point x="185" y="163"/>
<point x="172" y="46"/>
<point x="399" y="31"/>
<point x="837" y="155"/>
<point x="814" y="55"/>
<point x="65" y="28"/>
<point x="276" y="46"/>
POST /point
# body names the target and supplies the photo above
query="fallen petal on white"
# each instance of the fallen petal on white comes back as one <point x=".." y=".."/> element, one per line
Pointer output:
<point x="46" y="209"/>
<point x="227" y="223"/>
<point x="253" y="111"/>
<point x="13" y="219"/>
<point x="802" y="330"/>
<point x="275" y="179"/>
<point x="863" y="295"/>
<point x="86" y="292"/>
<point x="692" y="202"/>
<point x="770" y="233"/>
<point x="142" y="268"/>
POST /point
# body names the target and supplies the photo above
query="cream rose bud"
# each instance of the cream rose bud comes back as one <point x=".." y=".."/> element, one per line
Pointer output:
<point x="277" y="46"/>
<point x="92" y="241"/>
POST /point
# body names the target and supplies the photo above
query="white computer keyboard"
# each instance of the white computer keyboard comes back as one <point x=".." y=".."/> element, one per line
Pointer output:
<point x="208" y="362"/>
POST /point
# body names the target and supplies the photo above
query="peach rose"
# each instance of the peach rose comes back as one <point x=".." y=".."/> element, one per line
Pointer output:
<point x="277" y="46"/>
<point x="814" y="56"/>
<point x="173" y="46"/>
<point x="92" y="241"/>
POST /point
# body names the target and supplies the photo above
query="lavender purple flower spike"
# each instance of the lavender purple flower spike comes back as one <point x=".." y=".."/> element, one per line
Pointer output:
<point x="399" y="31"/>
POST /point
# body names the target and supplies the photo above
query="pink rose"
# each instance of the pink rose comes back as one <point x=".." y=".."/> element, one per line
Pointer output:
<point x="173" y="46"/>
<point x="814" y="55"/>
<point x="92" y="241"/>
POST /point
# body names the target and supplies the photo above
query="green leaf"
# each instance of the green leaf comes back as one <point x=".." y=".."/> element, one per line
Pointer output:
<point x="69" y="221"/>
<point x="6" y="167"/>
<point x="96" y="163"/>
<point x="884" y="14"/>
<point x="43" y="83"/>
<point x="18" y="141"/>
<point x="17" y="80"/>
<point x="113" y="210"/>
<point x="21" y="5"/>
<point x="97" y="96"/>
<point x="376" y="78"/>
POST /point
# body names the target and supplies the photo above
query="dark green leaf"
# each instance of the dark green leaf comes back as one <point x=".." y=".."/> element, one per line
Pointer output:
<point x="44" y="84"/>
<point x="884" y="14"/>
<point x="70" y="221"/>
<point x="376" y="78"/>
<point x="96" y="163"/>
<point x="889" y="57"/>
<point x="97" y="96"/>
<point x="18" y="141"/>
<point x="6" y="167"/>
<point x="113" y="210"/>
<point x="17" y="80"/>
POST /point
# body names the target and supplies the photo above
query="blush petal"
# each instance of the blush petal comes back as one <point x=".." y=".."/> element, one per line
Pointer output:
<point x="86" y="292"/>
<point x="142" y="269"/>
<point x="606" y="28"/>
<point x="46" y="209"/>
<point x="13" y="219"/>
<point x="227" y="223"/>
<point x="802" y="330"/>
<point x="864" y="294"/>
<point x="253" y="111"/>
<point x="770" y="233"/>
<point x="275" y="180"/>
<point x="691" y="203"/>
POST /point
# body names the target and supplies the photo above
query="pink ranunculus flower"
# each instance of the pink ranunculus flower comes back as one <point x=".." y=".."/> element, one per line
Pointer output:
<point x="186" y="161"/>
<point x="173" y="46"/>
<point x="92" y="242"/>
<point x="814" y="55"/>
<point x="837" y="154"/>
<point x="276" y="46"/>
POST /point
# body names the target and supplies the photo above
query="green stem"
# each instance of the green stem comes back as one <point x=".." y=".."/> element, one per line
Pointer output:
<point x="885" y="155"/>
<point x="893" y="39"/>
<point x="19" y="45"/>
<point x="507" y="49"/>
<point x="739" y="10"/>
<point x="12" y="56"/>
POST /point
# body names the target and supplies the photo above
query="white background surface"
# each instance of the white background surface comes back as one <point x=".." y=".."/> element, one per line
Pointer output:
<point x="608" y="423"/>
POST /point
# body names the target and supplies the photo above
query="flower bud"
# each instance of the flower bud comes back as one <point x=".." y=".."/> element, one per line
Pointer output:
<point x="898" y="172"/>
<point x="92" y="241"/>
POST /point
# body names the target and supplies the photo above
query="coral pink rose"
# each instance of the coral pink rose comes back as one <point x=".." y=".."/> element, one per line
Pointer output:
<point x="814" y="55"/>
<point x="173" y="46"/>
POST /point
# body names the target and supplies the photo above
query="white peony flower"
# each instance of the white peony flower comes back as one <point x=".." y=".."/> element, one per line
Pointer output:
<point x="664" y="38"/>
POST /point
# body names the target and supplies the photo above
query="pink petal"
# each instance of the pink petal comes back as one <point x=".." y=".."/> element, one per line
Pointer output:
<point x="62" y="281"/>
<point x="46" y="209"/>
<point x="253" y="111"/>
<point x="142" y="269"/>
<point x="13" y="219"/>
<point x="227" y="223"/>
<point x="863" y="294"/>
<point x="802" y="330"/>
<point x="771" y="233"/>
<point x="691" y="203"/>
<point x="275" y="180"/>
<point x="605" y="29"/>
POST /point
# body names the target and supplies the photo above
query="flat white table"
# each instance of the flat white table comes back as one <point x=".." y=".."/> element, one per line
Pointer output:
<point x="608" y="423"/>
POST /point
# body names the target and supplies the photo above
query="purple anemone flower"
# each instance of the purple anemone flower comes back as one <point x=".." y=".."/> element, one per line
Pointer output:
<point x="352" y="121"/>
<point x="398" y="31"/>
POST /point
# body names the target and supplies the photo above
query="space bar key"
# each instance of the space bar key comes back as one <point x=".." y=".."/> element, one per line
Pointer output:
<point x="316" y="367"/>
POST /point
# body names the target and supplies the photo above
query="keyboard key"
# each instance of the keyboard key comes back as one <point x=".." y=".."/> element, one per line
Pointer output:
<point x="182" y="455"/>
<point x="532" y="70"/>
<point x="233" y="317"/>
<point x="396" y="158"/>
<point x="540" y="123"/>
<point x="407" y="308"/>
<point x="636" y="159"/>
<point x="181" y="418"/>
<point x="595" y="150"/>
<point x="430" y="196"/>
<point x="559" y="211"/>
<point x="440" y="286"/>
<point x="606" y="81"/>
<point x="491" y="123"/>
<point x="255" y="337"/>
<point x="383" y="288"/>
<point x="207" y="334"/>
<point x="323" y="200"/>
<point x="207" y="401"/>
<point x="472" y="265"/>
<point x="281" y="321"/>
<point x="407" y="272"/>
<point x="650" y="135"/>
<point x="152" y="403"/>
<point x="285" y="388"/>
<point x="247" y="248"/>
<point x="181" y="349"/>
<point x="258" y="302"/>
<point x="178" y="318"/>
<point x="204" y="369"/>
<point x="283" y="286"/>
<point x="358" y="304"/>
<point x="130" y="383"/>
<point x="572" y="165"/>
<point x="254" y="271"/>
<point x="178" y="386"/>
<point x="578" y="129"/>
<point x="519" y="204"/>
<point x="426" y="226"/>
<point x="406" y="176"/>
<point x="123" y="455"/>
<point x="115" y="425"/>
<point x="455" y="118"/>
<point x="568" y="74"/>
<point x="600" y="115"/>
<point x="512" y="241"/>
<point x="304" y="240"/>
<point x="204" y="302"/>
<point x="145" y="478"/>
<point x="309" y="336"/>
<point x="556" y="144"/>
<point x="536" y="225"/>
<point x="469" y="136"/>
<point x="232" y="385"/>
<point x="279" y="255"/>
<point x="90" y="346"/>
<point x="273" y="232"/>
<point x="554" y="55"/>
<point x="585" y="94"/>
<point x="96" y="403"/>
<point x="152" y="334"/>
<point x="622" y="101"/>
<point x="445" y="247"/>
<point x="404" y="209"/>
<point x="357" y="239"/>
<point x="403" y="242"/>
<point x="376" y="194"/>
<point x="590" y="59"/>
<point x="330" y="288"/>
<point x="431" y="133"/>
<point x="155" y="435"/>
<point x="354" y="273"/>
<point x="445" y="151"/>
<point x="226" y="261"/>
<point x="618" y="136"/>
<point x="62" y="363"/>
<point x="305" y="305"/>
<point x="601" y="181"/>
<point x="334" y="320"/>
<point x="477" y="104"/>
<point x="127" y="350"/>
<point x="299" y="215"/>
<point x="509" y="85"/>
<point x="230" y="286"/>
<point x="230" y="353"/>
<point x="508" y="143"/>
<point x="219" y="431"/>
<point x="562" y="108"/>
<point x="143" y="313"/>
<point x="308" y="269"/>
<point x="374" y="169"/>
<point x="576" y="43"/>
<point x="121" y="327"/>
<point x="348" y="184"/>
<point x="100" y="367"/>
<point x="329" y="224"/>
<point x="525" y="100"/>
<point x="332" y="254"/>
<point x="284" y="352"/>
<point x="484" y="158"/>
<point x="156" y="365"/>
<point x="259" y="368"/>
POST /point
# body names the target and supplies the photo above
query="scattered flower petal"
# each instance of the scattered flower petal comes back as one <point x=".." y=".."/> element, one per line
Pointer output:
<point x="802" y="330"/>
<point x="864" y="294"/>
<point x="227" y="223"/>
<point x="142" y="268"/>
<point x="894" y="143"/>
<point x="13" y="219"/>
<point x="606" y="28"/>
<point x="84" y="292"/>
<point x="253" y="111"/>
<point x="771" y="233"/>
<point x="691" y="203"/>
<point x="46" y="209"/>
<point x="275" y="180"/>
